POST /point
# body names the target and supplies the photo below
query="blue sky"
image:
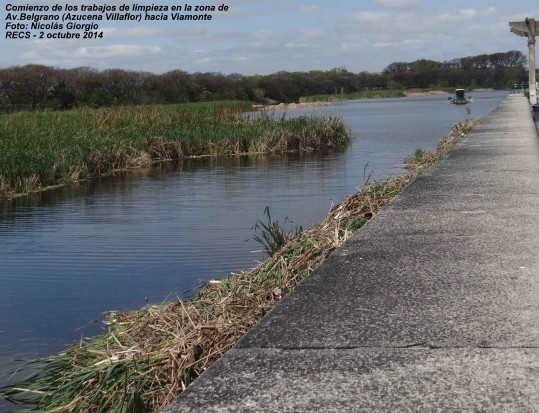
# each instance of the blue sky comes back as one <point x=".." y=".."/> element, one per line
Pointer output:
<point x="262" y="36"/>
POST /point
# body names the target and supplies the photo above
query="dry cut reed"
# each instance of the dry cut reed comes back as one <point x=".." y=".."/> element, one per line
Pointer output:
<point x="422" y="159"/>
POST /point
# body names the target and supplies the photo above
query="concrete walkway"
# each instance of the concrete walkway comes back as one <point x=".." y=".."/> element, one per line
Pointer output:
<point x="432" y="307"/>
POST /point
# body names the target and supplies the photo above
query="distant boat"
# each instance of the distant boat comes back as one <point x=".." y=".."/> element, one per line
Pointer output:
<point x="459" y="98"/>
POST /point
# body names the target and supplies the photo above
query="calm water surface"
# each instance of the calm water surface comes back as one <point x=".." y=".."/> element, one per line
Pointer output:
<point x="68" y="255"/>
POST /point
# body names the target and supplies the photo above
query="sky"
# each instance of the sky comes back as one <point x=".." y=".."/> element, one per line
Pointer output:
<point x="263" y="36"/>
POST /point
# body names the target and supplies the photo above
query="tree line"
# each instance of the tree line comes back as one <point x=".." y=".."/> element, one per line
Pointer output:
<point x="497" y="70"/>
<point x="38" y="87"/>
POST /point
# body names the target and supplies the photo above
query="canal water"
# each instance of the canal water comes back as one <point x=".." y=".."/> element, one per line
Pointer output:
<point x="147" y="236"/>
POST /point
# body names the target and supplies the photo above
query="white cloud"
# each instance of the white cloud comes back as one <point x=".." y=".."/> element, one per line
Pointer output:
<point x="296" y="45"/>
<point x="114" y="51"/>
<point x="310" y="9"/>
<point x="370" y="17"/>
<point x="203" y="61"/>
<point x="73" y="56"/>
<point x="264" y="34"/>
<point x="132" y="32"/>
<point x="312" y="35"/>
<point x="468" y="13"/>
<point x="347" y="46"/>
<point x="397" y="4"/>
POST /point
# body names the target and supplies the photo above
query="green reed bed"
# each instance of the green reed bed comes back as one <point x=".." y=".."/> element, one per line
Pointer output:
<point x="149" y="356"/>
<point x="42" y="148"/>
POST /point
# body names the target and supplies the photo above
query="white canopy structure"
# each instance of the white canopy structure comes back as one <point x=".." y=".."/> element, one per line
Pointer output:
<point x="528" y="28"/>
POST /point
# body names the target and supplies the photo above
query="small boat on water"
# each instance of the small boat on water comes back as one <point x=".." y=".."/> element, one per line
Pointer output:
<point x="459" y="98"/>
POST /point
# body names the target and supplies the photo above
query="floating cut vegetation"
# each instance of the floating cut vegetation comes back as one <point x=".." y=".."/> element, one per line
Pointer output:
<point x="42" y="149"/>
<point x="149" y="356"/>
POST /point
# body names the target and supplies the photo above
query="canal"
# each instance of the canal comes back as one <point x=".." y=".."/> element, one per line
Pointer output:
<point x="147" y="236"/>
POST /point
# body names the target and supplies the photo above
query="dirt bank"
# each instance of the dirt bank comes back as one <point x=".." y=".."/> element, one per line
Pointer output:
<point x="282" y="106"/>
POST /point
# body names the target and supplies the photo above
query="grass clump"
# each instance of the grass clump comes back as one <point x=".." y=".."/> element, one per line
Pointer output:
<point x="150" y="356"/>
<point x="272" y="236"/>
<point x="42" y="149"/>
<point x="422" y="159"/>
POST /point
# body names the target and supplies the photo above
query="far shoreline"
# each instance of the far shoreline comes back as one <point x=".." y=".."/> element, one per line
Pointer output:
<point x="330" y="100"/>
<point x="299" y="105"/>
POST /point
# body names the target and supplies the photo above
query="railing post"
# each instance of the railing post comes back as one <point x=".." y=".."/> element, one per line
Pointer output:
<point x="535" y="109"/>
<point x="531" y="60"/>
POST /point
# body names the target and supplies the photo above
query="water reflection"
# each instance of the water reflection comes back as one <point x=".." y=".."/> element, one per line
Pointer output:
<point x="111" y="243"/>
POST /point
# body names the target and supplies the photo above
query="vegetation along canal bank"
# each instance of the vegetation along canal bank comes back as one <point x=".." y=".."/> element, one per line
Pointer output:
<point x="147" y="357"/>
<point x="42" y="149"/>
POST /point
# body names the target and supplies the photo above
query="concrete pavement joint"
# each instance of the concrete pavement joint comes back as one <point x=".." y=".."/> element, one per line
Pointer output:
<point x="418" y="346"/>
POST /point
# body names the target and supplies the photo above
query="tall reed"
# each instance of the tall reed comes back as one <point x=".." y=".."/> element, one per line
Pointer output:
<point x="40" y="149"/>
